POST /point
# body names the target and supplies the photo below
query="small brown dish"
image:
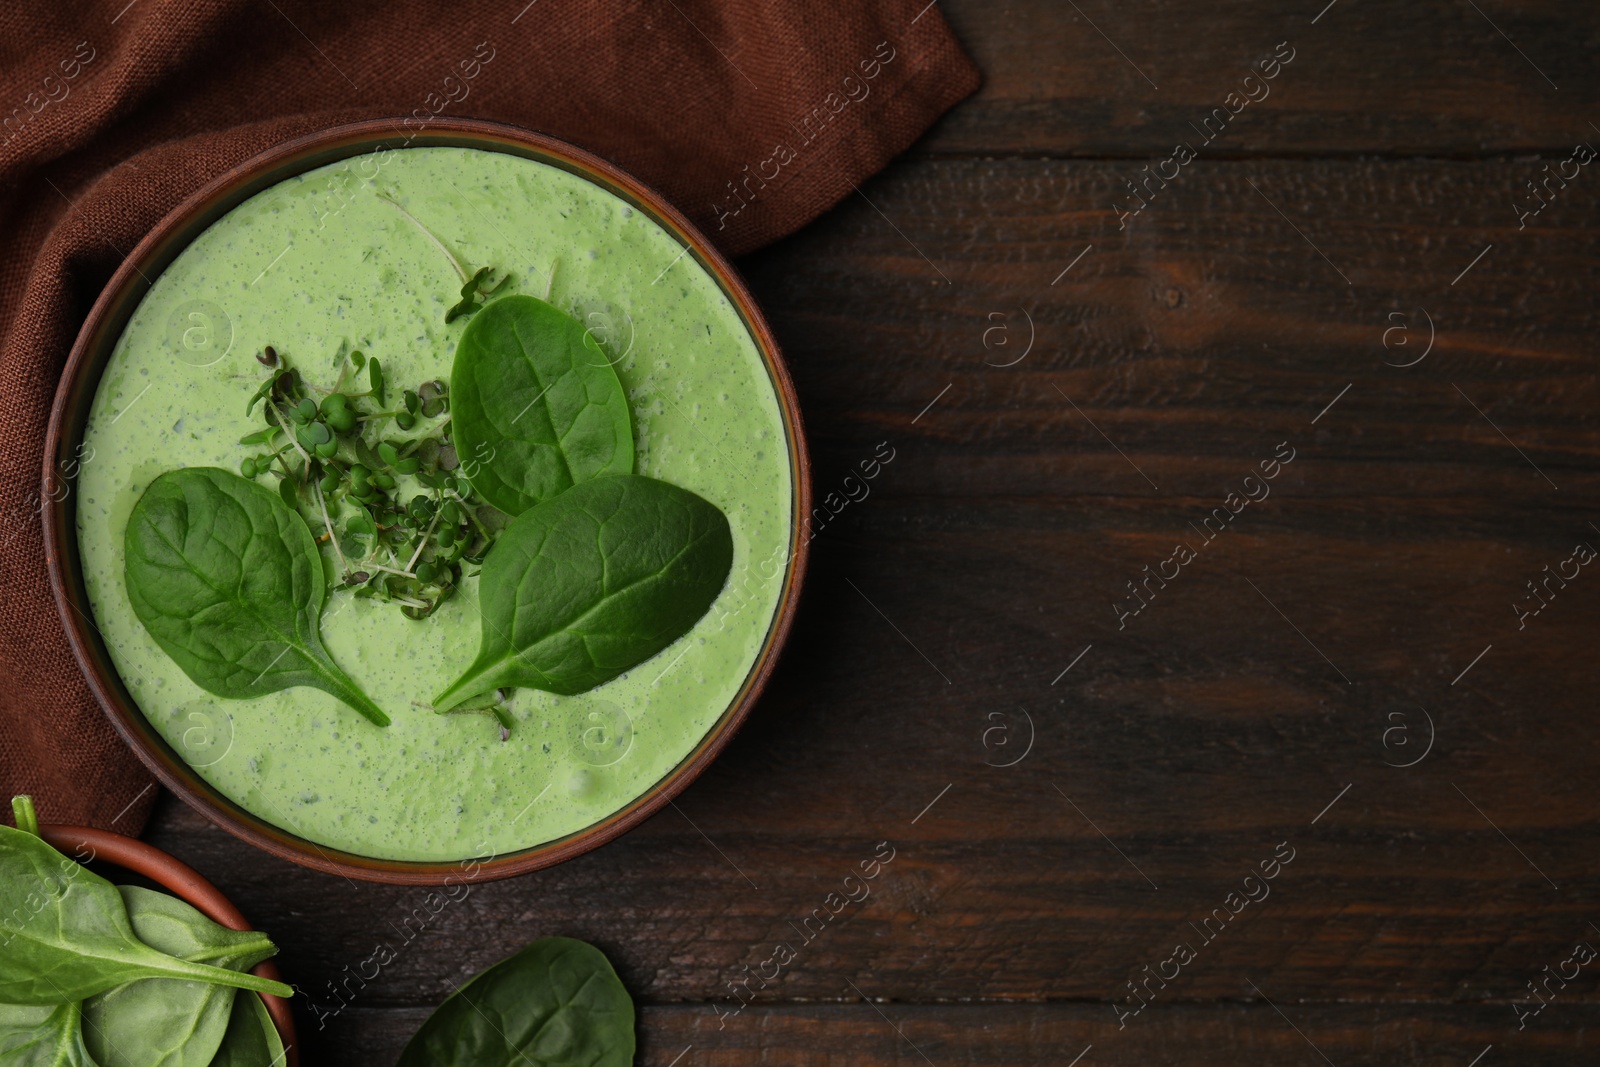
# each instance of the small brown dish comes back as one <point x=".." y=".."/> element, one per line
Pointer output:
<point x="182" y="881"/>
<point x="75" y="396"/>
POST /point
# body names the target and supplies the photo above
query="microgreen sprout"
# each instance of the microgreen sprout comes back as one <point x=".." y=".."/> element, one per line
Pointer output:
<point x="398" y="519"/>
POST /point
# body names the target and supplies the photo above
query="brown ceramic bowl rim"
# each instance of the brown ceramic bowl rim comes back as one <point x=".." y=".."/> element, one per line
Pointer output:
<point x="186" y="884"/>
<point x="93" y="348"/>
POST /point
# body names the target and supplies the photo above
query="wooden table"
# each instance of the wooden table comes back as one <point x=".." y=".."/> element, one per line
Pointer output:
<point x="1350" y="673"/>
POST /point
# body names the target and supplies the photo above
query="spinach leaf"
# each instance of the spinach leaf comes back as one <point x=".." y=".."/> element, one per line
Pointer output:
<point x="599" y="579"/>
<point x="228" y="581"/>
<point x="161" y="1022"/>
<point x="65" y="933"/>
<point x="42" y="1036"/>
<point x="179" y="929"/>
<point x="251" y="1040"/>
<point x="536" y="405"/>
<point x="557" y="1003"/>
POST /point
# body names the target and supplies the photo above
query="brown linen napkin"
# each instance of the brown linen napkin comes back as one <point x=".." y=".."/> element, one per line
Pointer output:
<point x="752" y="116"/>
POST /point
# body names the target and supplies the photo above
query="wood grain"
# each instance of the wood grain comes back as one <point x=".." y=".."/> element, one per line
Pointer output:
<point x="1027" y="1035"/>
<point x="1436" y="78"/>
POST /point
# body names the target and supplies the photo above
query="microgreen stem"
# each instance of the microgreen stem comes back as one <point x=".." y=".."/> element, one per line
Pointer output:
<point x="467" y="509"/>
<point x="461" y="271"/>
<point x="390" y="570"/>
<point x="333" y="538"/>
<point x="284" y="423"/>
<point x="550" y="282"/>
<point x="424" y="541"/>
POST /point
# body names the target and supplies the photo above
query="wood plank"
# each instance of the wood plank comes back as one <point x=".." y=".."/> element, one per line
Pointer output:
<point x="950" y="1035"/>
<point x="1102" y="79"/>
<point x="1177" y="753"/>
<point x="1429" y="912"/>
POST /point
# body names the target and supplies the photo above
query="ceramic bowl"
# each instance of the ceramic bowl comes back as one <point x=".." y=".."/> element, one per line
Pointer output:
<point x="181" y="880"/>
<point x="94" y="346"/>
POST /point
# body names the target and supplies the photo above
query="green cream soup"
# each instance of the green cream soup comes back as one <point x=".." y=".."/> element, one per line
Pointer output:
<point x="319" y="265"/>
